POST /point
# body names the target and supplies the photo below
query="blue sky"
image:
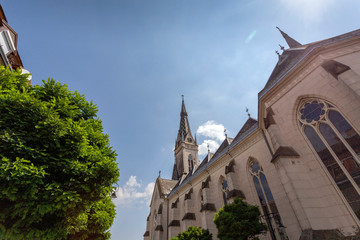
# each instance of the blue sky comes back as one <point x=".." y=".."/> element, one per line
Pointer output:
<point x="135" y="58"/>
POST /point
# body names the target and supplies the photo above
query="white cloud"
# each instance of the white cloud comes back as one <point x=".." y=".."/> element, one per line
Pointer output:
<point x="213" y="145"/>
<point x="132" y="193"/>
<point x="132" y="182"/>
<point x="212" y="130"/>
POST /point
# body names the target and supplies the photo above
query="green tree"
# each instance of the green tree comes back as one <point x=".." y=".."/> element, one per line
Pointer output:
<point x="238" y="221"/>
<point x="57" y="168"/>
<point x="194" y="233"/>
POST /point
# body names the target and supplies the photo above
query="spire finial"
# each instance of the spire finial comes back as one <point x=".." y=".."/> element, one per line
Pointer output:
<point x="159" y="172"/>
<point x="182" y="96"/>
<point x="281" y="47"/>
<point x="290" y="41"/>
<point x="208" y="147"/>
<point x="225" y="133"/>
<point x="247" y="110"/>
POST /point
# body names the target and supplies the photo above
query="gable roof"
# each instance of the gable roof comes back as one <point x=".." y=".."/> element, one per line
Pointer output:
<point x="222" y="147"/>
<point x="291" y="57"/>
<point x="165" y="185"/>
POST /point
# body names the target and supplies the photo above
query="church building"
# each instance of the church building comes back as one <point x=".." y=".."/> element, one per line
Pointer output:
<point x="299" y="161"/>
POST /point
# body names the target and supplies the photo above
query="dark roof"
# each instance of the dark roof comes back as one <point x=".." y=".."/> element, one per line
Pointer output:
<point x="166" y="185"/>
<point x="206" y="159"/>
<point x="2" y="14"/>
<point x="294" y="55"/>
<point x="222" y="147"/>
<point x="245" y="128"/>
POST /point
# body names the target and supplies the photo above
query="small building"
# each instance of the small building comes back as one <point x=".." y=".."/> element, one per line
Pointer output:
<point x="299" y="161"/>
<point x="9" y="55"/>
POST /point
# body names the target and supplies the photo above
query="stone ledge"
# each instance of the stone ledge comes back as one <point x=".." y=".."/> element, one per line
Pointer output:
<point x="208" y="207"/>
<point x="159" y="228"/>
<point x="189" y="216"/>
<point x="174" y="223"/>
<point x="146" y="234"/>
<point x="230" y="168"/>
<point x="235" y="193"/>
<point x="284" y="152"/>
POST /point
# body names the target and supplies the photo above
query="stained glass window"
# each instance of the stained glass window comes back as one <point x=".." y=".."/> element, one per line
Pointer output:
<point x="270" y="212"/>
<point x="225" y="189"/>
<point x="337" y="144"/>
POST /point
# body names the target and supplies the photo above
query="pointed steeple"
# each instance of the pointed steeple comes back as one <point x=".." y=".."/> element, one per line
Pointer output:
<point x="186" y="148"/>
<point x="289" y="40"/>
<point x="184" y="133"/>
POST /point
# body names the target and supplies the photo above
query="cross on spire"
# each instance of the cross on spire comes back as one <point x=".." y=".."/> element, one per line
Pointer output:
<point x="247" y="110"/>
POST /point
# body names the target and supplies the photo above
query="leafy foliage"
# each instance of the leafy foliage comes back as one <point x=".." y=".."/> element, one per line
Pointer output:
<point x="194" y="233"/>
<point x="57" y="168"/>
<point x="238" y="220"/>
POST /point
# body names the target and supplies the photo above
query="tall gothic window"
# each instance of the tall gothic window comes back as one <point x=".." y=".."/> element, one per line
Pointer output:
<point x="336" y="143"/>
<point x="270" y="212"/>
<point x="190" y="162"/>
<point x="225" y="190"/>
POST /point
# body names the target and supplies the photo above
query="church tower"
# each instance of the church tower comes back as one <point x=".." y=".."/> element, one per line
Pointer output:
<point x="186" y="148"/>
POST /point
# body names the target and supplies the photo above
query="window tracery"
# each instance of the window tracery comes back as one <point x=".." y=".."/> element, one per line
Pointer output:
<point x="268" y="206"/>
<point x="190" y="162"/>
<point x="225" y="190"/>
<point x="336" y="143"/>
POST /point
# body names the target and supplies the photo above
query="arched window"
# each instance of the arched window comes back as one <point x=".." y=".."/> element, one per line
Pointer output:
<point x="266" y="199"/>
<point x="336" y="143"/>
<point x="225" y="190"/>
<point x="190" y="162"/>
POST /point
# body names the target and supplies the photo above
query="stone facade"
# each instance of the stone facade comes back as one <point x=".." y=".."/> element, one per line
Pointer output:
<point x="299" y="162"/>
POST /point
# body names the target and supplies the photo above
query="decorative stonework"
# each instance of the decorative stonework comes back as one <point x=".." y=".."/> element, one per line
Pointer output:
<point x="335" y="68"/>
<point x="160" y="209"/>
<point x="174" y="223"/>
<point x="208" y="207"/>
<point x="269" y="119"/>
<point x="284" y="151"/>
<point x="159" y="228"/>
<point x="235" y="193"/>
<point x="189" y="216"/>
<point x="174" y="204"/>
<point x="206" y="183"/>
<point x="230" y="168"/>
<point x="188" y="195"/>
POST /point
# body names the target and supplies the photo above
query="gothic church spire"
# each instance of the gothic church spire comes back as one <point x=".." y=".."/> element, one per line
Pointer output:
<point x="184" y="133"/>
<point x="186" y="148"/>
<point x="289" y="40"/>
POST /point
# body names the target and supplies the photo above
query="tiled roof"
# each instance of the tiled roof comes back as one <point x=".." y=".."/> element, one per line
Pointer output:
<point x="293" y="56"/>
<point x="247" y="126"/>
<point x="222" y="147"/>
<point x="166" y="185"/>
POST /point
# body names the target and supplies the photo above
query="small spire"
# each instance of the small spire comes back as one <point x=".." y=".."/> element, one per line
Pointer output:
<point x="281" y="47"/>
<point x="208" y="147"/>
<point x="247" y="110"/>
<point x="289" y="40"/>
<point x="225" y="133"/>
<point x="159" y="172"/>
